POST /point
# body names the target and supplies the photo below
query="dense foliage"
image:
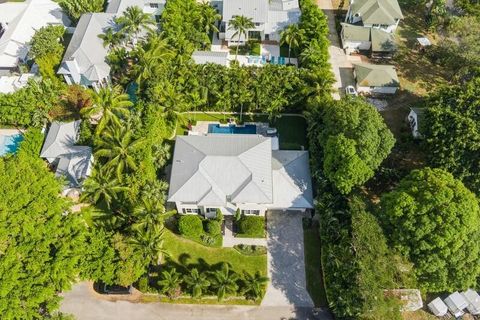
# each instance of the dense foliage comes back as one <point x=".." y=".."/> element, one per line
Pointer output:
<point x="40" y="240"/>
<point x="349" y="140"/>
<point x="433" y="220"/>
<point x="47" y="49"/>
<point x="75" y="8"/>
<point x="452" y="131"/>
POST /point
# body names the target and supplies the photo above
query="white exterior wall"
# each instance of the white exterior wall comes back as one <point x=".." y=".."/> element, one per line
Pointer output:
<point x="379" y="90"/>
<point x="230" y="209"/>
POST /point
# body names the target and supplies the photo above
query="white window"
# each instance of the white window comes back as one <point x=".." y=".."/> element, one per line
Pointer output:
<point x="153" y="5"/>
<point x="190" y="210"/>
<point x="210" y="210"/>
<point x="246" y="211"/>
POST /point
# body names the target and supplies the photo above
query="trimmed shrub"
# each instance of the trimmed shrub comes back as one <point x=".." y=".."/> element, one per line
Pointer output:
<point x="250" y="250"/>
<point x="252" y="226"/>
<point x="190" y="225"/>
<point x="237" y="215"/>
<point x="213" y="227"/>
<point x="219" y="216"/>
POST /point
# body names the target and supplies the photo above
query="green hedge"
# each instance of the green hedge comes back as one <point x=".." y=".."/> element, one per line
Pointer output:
<point x="251" y="226"/>
<point x="213" y="227"/>
<point x="190" y="225"/>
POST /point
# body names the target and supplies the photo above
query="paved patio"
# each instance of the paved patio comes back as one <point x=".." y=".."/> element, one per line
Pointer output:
<point x="286" y="262"/>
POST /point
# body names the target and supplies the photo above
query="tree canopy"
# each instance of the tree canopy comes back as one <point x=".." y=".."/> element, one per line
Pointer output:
<point x="350" y="139"/>
<point x="40" y="240"/>
<point x="433" y="219"/>
<point x="452" y="131"/>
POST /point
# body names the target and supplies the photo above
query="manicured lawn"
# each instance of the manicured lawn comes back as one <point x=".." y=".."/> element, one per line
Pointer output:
<point x="292" y="129"/>
<point x="313" y="267"/>
<point x="187" y="254"/>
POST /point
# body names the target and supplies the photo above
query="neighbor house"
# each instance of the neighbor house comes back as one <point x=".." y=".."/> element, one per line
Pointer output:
<point x="269" y="16"/>
<point x="68" y="160"/>
<point x="234" y="172"/>
<point x="376" y="41"/>
<point x="414" y="118"/>
<point x="376" y="79"/>
<point x="370" y="25"/>
<point x="84" y="61"/>
<point x="18" y="23"/>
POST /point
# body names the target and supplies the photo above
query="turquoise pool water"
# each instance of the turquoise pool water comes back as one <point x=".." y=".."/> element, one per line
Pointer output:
<point x="9" y="144"/>
<point x="232" y="129"/>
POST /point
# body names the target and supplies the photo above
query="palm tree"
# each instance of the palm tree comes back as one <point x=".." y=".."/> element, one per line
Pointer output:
<point x="224" y="281"/>
<point x="148" y="213"/>
<point x="173" y="105"/>
<point x="118" y="145"/>
<point x="100" y="186"/>
<point x="111" y="104"/>
<point x="149" y="240"/>
<point x="196" y="282"/>
<point x="133" y="21"/>
<point x="170" y="283"/>
<point x="254" y="286"/>
<point x="209" y="18"/>
<point x="111" y="38"/>
<point x="149" y="57"/>
<point x="292" y="36"/>
<point x="241" y="25"/>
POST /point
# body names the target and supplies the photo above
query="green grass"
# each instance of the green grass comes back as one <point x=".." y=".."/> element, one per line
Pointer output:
<point x="187" y="254"/>
<point x="292" y="129"/>
<point x="313" y="267"/>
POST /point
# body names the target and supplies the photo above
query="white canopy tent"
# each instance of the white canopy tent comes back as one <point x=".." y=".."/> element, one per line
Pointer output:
<point x="456" y="304"/>
<point x="473" y="299"/>
<point x="438" y="307"/>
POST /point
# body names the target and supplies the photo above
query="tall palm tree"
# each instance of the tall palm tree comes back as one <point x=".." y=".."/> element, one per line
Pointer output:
<point x="173" y="105"/>
<point x="148" y="213"/>
<point x="254" y="286"/>
<point x="196" y="282"/>
<point x="209" y="18"/>
<point x="118" y="145"/>
<point x="149" y="240"/>
<point x="149" y="57"/>
<point x="133" y="21"/>
<point x="292" y="36"/>
<point x="170" y="283"/>
<point x="100" y="186"/>
<point x="111" y="104"/>
<point x="241" y="25"/>
<point x="224" y="281"/>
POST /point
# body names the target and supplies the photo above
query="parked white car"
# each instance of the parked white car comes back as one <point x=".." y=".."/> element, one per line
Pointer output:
<point x="350" y="91"/>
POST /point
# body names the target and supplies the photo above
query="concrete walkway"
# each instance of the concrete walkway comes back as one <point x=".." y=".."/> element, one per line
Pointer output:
<point x="229" y="240"/>
<point x="286" y="261"/>
<point x="84" y="304"/>
<point x="341" y="66"/>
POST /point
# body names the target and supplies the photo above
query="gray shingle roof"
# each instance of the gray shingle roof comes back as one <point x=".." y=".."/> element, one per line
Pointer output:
<point x="377" y="11"/>
<point x="60" y="139"/>
<point x="87" y="48"/>
<point x="382" y="41"/>
<point x="355" y="33"/>
<point x="218" y="168"/>
<point x="119" y="6"/>
<point x="75" y="166"/>
<point x="257" y="10"/>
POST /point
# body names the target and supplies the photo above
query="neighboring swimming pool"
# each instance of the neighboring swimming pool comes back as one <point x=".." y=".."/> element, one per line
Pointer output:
<point x="232" y="129"/>
<point x="9" y="143"/>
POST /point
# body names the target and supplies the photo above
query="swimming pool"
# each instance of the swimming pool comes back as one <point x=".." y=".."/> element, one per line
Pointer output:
<point x="10" y="143"/>
<point x="232" y="129"/>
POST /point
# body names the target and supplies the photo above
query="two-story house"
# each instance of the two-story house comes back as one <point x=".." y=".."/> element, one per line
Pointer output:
<point x="270" y="17"/>
<point x="84" y="61"/>
<point x="370" y="25"/>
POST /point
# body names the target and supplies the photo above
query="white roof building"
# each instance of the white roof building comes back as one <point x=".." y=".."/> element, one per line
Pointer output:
<point x="19" y="21"/>
<point x="216" y="57"/>
<point x="456" y="303"/>
<point x="473" y="299"/>
<point x="72" y="161"/>
<point x="238" y="171"/>
<point x="269" y="16"/>
<point x="10" y="84"/>
<point x="438" y="307"/>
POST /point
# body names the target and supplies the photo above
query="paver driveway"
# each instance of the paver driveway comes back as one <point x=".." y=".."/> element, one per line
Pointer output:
<point x="286" y="263"/>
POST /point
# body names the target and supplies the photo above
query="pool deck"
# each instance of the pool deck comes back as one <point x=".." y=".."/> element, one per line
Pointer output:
<point x="201" y="128"/>
<point x="9" y="132"/>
